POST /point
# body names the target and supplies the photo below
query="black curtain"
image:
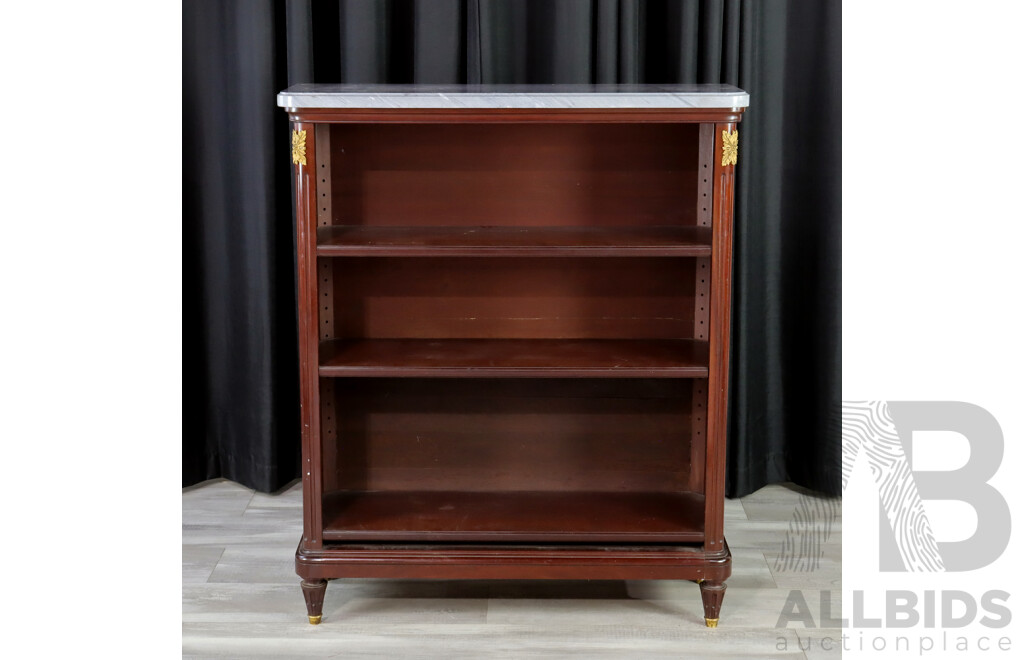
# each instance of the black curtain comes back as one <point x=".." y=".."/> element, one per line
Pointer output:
<point x="240" y="370"/>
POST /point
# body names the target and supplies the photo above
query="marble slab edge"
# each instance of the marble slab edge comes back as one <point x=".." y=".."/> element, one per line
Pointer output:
<point x="528" y="101"/>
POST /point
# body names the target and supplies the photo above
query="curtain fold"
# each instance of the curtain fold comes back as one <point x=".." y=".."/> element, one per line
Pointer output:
<point x="239" y="372"/>
<point x="241" y="404"/>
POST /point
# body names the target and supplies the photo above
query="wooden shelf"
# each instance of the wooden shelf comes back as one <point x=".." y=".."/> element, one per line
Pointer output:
<point x="355" y="241"/>
<point x="495" y="358"/>
<point x="514" y="516"/>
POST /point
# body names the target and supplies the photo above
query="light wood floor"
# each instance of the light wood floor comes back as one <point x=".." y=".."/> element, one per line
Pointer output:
<point x="241" y="597"/>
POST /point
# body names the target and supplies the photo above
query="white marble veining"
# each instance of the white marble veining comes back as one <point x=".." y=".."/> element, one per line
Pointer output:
<point x="473" y="97"/>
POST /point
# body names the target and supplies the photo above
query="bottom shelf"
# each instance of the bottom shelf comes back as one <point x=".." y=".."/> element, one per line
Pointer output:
<point x="514" y="516"/>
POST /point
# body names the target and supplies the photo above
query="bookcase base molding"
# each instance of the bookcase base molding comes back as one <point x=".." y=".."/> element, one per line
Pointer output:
<point x="496" y="562"/>
<point x="514" y="313"/>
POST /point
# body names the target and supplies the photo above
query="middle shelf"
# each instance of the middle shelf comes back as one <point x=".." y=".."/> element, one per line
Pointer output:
<point x="497" y="241"/>
<point x="504" y="358"/>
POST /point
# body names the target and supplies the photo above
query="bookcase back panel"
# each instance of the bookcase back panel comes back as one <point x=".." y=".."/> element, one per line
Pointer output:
<point x="560" y="298"/>
<point x="510" y="434"/>
<point x="514" y="174"/>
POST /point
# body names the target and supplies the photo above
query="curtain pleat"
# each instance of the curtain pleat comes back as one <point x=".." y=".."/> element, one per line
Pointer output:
<point x="605" y="50"/>
<point x="439" y="41"/>
<point x="238" y="267"/>
<point x="631" y="55"/>
<point x="364" y="40"/>
<point x="241" y="405"/>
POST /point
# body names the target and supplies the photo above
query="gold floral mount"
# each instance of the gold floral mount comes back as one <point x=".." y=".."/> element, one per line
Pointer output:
<point x="730" y="147"/>
<point x="299" y="147"/>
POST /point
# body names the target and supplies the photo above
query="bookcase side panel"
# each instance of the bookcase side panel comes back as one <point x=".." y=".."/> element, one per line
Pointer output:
<point x="718" y="371"/>
<point x="304" y="160"/>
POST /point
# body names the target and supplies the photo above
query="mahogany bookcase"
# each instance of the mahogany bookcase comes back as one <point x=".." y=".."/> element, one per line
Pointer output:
<point x="513" y="308"/>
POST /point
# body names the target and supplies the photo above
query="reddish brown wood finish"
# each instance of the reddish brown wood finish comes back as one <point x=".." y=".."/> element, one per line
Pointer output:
<point x="325" y="301"/>
<point x="354" y="241"/>
<point x="718" y="376"/>
<point x="711" y="593"/>
<point x="523" y="298"/>
<point x="702" y="304"/>
<point x="483" y="435"/>
<point x="514" y="115"/>
<point x="520" y="462"/>
<point x="313" y="591"/>
<point x="530" y="516"/>
<point x="305" y="227"/>
<point x="515" y="358"/>
<point x="523" y="562"/>
<point x="515" y="175"/>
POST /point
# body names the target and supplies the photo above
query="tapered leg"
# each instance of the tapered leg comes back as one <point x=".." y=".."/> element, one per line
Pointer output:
<point x="712" y="592"/>
<point x="314" y="591"/>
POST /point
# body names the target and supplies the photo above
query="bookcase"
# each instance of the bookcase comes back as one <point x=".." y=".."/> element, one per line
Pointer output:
<point x="513" y="308"/>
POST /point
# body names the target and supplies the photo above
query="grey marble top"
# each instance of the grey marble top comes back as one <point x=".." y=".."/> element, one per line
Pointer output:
<point x="512" y="96"/>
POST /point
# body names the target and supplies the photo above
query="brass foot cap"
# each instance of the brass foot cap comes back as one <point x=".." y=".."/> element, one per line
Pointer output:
<point x="315" y="619"/>
<point x="711" y="623"/>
